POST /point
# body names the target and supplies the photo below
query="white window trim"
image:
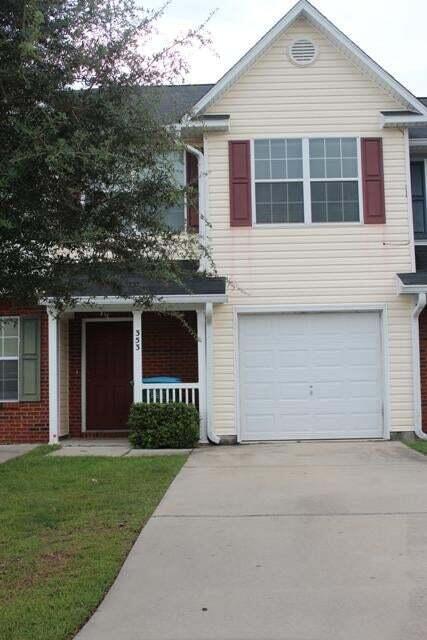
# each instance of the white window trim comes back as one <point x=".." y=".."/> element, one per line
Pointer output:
<point x="17" y="358"/>
<point x="419" y="242"/>
<point x="306" y="180"/>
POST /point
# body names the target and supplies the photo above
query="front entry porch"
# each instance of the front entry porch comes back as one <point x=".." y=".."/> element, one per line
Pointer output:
<point x="106" y="360"/>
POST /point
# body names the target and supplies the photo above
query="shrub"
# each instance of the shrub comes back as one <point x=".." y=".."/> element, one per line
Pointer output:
<point x="163" y="426"/>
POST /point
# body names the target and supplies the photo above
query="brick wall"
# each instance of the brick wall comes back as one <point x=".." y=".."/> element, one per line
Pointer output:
<point x="169" y="348"/>
<point x="28" y="421"/>
<point x="423" y="366"/>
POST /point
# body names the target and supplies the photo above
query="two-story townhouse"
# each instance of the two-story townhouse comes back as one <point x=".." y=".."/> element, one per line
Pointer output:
<point x="303" y="153"/>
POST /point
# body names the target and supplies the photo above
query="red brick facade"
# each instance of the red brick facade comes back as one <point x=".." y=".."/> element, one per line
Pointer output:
<point x="423" y="366"/>
<point x="169" y="348"/>
<point x="28" y="421"/>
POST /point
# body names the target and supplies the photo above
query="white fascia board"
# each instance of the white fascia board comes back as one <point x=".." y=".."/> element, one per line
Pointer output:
<point x="409" y="289"/>
<point x="359" y="57"/>
<point x="91" y="303"/>
<point x="202" y="124"/>
<point x="404" y="121"/>
<point x="412" y="288"/>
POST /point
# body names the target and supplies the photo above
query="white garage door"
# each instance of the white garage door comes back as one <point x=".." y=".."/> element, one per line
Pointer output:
<point x="310" y="375"/>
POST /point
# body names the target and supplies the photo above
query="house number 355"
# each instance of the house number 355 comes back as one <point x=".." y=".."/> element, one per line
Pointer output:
<point x="138" y="340"/>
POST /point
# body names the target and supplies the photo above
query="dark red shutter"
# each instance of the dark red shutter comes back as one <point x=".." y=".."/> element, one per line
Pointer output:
<point x="373" y="181"/>
<point x="192" y="172"/>
<point x="240" y="183"/>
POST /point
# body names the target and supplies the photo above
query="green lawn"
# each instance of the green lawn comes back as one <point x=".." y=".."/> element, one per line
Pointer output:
<point x="418" y="445"/>
<point x="66" y="526"/>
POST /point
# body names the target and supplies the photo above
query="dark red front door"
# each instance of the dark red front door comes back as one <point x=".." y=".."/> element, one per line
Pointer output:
<point x="109" y="371"/>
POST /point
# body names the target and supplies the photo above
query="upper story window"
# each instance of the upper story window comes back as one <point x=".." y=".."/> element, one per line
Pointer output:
<point x="174" y="216"/>
<point x="301" y="180"/>
<point x="418" y="180"/>
<point x="9" y="358"/>
<point x="279" y="181"/>
<point x="334" y="180"/>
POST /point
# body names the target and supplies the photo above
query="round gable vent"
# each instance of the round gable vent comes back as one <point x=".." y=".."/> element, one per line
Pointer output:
<point x="302" y="52"/>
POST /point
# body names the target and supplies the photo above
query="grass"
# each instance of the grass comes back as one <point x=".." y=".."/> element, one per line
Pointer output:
<point x="66" y="526"/>
<point x="418" y="445"/>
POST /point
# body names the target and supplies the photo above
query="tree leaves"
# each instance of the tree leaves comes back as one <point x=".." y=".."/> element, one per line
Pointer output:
<point x="83" y="169"/>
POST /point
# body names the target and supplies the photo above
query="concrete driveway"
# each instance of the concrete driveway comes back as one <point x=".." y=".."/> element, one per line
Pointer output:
<point x="310" y="541"/>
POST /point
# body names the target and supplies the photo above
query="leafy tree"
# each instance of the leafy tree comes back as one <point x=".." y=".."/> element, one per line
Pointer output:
<point x="84" y="167"/>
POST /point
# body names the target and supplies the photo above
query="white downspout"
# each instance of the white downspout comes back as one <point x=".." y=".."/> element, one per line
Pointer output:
<point x="212" y="436"/>
<point x="203" y="198"/>
<point x="416" y="369"/>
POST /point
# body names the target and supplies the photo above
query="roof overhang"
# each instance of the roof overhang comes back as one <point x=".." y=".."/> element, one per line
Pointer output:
<point x="208" y="123"/>
<point x="303" y="8"/>
<point x="411" y="283"/>
<point x="95" y="303"/>
<point x="401" y="122"/>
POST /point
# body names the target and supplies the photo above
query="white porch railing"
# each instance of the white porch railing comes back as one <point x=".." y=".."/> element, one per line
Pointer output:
<point x="188" y="393"/>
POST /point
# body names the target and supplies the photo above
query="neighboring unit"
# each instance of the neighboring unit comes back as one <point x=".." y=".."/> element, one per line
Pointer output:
<point x="304" y="154"/>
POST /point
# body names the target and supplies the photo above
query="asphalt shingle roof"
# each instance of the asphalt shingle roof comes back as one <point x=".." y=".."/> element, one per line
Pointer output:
<point x="171" y="102"/>
<point x="137" y="284"/>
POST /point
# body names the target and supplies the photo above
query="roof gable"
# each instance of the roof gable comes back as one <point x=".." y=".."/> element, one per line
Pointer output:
<point x="305" y="9"/>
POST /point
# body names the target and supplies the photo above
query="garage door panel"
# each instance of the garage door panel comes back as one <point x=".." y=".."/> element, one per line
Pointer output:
<point x="312" y="375"/>
<point x="329" y="390"/>
<point x="358" y="389"/>
<point x="259" y="424"/>
<point x="260" y="391"/>
<point x="363" y="356"/>
<point x="321" y="374"/>
<point x="291" y="357"/>
<point x="263" y="358"/>
<point x="288" y="376"/>
<point x="327" y="357"/>
<point x="292" y="391"/>
<point x="359" y="373"/>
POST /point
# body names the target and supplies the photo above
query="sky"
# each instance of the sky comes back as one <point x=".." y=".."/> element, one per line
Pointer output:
<point x="396" y="39"/>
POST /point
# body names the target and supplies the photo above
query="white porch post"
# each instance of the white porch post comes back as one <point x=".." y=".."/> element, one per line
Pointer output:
<point x="53" y="335"/>
<point x="212" y="436"/>
<point x="201" y="365"/>
<point x="137" y="355"/>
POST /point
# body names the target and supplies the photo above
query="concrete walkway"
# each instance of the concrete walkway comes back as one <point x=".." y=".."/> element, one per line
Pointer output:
<point x="312" y="541"/>
<point x="10" y="451"/>
<point x="110" y="448"/>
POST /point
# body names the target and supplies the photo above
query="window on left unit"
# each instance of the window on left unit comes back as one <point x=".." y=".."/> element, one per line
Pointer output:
<point x="9" y="359"/>
<point x="174" y="216"/>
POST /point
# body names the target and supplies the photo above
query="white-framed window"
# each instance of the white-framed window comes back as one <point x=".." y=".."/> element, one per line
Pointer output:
<point x="279" y="192"/>
<point x="175" y="216"/>
<point x="306" y="180"/>
<point x="9" y="359"/>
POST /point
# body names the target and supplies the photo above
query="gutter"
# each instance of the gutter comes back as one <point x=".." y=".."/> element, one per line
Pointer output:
<point x="403" y="121"/>
<point x="416" y="369"/>
<point x="212" y="436"/>
<point x="220" y="124"/>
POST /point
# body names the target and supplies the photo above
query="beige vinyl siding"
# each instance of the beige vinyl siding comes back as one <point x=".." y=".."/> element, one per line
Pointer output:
<point x="351" y="264"/>
<point x="63" y="377"/>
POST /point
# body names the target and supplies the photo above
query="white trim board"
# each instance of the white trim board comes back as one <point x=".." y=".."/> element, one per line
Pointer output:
<point x="303" y="8"/>
<point x="96" y="304"/>
<point x="382" y="309"/>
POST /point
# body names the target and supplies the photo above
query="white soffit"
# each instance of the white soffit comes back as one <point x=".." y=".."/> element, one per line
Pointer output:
<point x="305" y="9"/>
